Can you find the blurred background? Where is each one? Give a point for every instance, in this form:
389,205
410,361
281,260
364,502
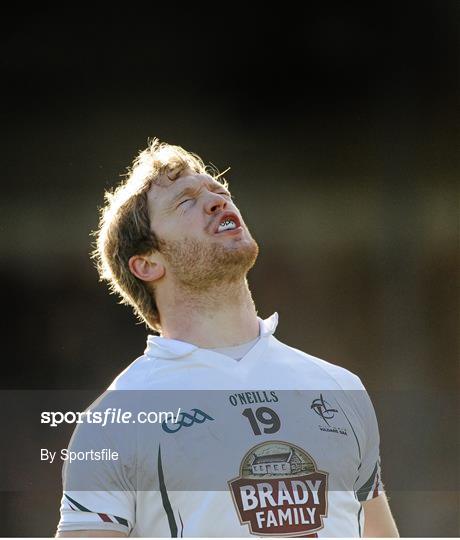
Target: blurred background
340,124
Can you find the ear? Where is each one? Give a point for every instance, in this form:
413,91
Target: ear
146,269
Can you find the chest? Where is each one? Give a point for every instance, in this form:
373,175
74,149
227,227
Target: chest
262,435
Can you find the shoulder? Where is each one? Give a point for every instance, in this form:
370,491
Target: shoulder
135,377
342,377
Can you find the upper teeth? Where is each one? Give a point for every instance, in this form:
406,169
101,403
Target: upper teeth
227,224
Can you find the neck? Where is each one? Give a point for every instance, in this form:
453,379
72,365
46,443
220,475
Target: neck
220,316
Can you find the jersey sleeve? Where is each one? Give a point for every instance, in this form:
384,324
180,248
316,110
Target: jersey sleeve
76,516
369,483
99,491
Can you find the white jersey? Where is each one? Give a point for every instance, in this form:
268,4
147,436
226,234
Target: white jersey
279,443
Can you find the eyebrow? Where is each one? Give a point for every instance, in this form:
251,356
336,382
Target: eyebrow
190,190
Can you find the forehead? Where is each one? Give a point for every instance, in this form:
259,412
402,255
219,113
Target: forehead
163,192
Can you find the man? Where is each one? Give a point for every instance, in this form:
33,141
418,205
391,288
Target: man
289,445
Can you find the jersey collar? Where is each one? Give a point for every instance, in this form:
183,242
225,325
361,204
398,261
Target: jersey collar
160,347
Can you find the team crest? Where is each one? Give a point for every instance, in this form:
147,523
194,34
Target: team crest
280,491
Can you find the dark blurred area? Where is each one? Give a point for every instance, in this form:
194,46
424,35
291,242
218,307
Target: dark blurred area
340,124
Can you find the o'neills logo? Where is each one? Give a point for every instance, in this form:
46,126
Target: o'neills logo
280,491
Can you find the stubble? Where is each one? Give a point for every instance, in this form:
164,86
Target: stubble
199,266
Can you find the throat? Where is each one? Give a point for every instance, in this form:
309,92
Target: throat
220,317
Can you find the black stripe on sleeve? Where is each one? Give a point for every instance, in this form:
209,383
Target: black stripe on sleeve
364,490
121,521
78,505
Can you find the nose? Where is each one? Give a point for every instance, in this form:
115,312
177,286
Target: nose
214,203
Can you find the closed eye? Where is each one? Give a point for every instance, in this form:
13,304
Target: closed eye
184,201
225,193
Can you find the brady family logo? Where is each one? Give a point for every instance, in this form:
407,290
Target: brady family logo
186,420
280,491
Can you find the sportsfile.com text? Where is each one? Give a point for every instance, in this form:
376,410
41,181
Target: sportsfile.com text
108,416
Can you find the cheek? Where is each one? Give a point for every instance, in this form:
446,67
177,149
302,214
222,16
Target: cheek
178,228
164,229
192,225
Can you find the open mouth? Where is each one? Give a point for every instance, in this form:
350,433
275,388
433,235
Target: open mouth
228,222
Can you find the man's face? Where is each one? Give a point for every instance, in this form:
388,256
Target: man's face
201,234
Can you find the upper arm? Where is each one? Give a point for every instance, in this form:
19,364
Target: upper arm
368,484
99,488
378,520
